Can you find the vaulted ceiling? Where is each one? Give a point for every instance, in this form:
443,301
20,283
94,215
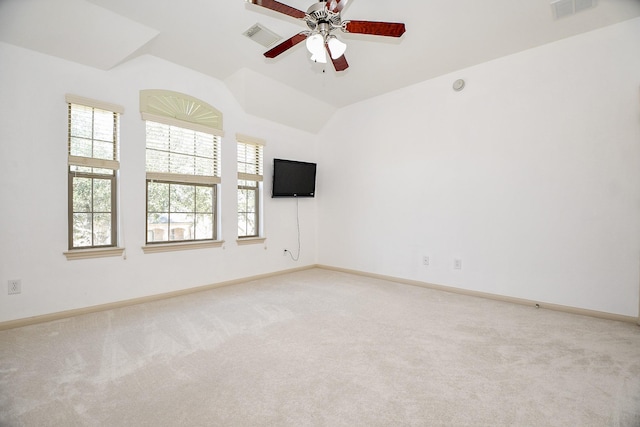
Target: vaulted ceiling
442,36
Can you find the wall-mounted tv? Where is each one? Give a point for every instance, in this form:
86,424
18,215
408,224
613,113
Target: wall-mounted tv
293,179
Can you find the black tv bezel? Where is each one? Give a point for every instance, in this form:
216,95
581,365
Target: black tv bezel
293,195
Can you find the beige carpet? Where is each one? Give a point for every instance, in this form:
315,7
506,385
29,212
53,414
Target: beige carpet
321,348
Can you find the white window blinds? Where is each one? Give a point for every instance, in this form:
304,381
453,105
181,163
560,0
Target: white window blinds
93,133
250,158
179,154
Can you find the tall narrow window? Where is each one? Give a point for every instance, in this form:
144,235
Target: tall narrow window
183,169
250,163
93,164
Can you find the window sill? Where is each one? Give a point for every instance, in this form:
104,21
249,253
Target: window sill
170,247
251,241
93,253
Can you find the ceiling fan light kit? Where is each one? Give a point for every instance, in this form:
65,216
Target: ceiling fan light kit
315,45
322,18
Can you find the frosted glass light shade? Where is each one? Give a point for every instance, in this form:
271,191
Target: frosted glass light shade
336,47
315,45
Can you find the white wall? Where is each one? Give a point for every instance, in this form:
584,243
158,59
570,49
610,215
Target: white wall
33,194
530,175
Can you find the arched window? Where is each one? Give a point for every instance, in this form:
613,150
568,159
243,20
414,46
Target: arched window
182,167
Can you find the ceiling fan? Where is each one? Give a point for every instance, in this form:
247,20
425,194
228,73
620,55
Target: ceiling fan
323,18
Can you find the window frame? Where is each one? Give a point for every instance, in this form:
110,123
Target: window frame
214,212
112,178
257,211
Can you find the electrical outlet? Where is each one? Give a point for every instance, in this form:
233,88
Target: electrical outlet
14,286
457,264
425,260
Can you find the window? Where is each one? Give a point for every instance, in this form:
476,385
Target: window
250,161
182,168
93,139
181,184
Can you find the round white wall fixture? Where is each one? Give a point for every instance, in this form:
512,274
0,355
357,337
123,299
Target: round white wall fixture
458,85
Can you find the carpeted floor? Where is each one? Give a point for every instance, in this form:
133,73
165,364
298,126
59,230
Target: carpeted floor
322,348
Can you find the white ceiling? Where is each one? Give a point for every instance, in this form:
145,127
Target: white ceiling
206,35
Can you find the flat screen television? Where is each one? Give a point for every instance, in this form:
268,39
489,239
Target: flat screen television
293,178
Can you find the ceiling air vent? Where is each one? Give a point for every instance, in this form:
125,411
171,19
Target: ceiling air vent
562,8
262,35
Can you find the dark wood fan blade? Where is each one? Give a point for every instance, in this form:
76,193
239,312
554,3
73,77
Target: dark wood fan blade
336,5
388,29
285,45
340,63
279,7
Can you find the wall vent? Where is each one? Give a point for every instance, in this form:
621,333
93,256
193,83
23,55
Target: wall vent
262,35
563,8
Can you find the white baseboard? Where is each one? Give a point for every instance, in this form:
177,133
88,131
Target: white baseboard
119,304
520,301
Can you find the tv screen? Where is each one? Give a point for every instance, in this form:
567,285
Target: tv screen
293,179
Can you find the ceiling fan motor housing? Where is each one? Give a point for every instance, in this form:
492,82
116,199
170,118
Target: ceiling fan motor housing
318,14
